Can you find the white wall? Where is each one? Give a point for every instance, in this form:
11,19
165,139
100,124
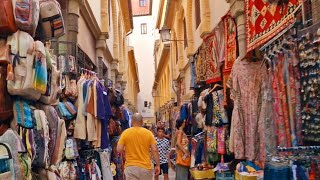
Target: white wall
143,45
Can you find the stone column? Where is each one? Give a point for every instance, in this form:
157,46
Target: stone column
237,8
73,14
114,71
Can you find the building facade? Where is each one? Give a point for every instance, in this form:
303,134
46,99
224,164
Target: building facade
97,36
142,39
188,21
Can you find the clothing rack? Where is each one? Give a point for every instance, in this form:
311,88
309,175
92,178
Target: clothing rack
88,71
299,148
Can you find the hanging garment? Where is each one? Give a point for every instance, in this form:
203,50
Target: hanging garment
105,166
80,126
246,86
209,109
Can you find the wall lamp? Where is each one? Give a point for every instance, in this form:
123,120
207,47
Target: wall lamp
165,34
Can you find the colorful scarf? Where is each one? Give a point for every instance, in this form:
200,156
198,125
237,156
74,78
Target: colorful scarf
40,74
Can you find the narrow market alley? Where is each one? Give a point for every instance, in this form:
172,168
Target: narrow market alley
160,89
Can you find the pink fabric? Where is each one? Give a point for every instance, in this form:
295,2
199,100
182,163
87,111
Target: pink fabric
246,128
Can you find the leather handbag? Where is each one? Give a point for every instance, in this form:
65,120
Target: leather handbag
6,110
7,21
183,160
4,52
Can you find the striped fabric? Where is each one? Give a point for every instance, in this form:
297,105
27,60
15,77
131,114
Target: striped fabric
40,76
23,14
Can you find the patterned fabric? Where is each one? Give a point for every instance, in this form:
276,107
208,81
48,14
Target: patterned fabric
246,87
22,113
286,100
40,74
219,113
265,20
212,139
230,36
200,66
213,47
11,138
163,148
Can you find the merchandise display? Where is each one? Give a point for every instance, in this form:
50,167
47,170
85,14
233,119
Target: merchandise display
60,118
273,95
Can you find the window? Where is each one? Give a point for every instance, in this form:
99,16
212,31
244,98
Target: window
185,33
143,28
145,103
142,3
197,13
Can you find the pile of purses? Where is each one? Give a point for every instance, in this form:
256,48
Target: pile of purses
43,134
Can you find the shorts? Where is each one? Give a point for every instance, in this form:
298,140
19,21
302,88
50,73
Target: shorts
164,168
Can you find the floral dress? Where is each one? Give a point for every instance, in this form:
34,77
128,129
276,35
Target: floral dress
247,126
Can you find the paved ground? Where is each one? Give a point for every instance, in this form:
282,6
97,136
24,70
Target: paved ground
172,175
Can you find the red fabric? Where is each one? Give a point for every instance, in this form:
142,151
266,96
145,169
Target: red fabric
230,33
265,20
213,47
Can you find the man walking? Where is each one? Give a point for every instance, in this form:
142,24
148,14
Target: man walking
164,149
136,142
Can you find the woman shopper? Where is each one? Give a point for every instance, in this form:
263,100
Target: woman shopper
183,155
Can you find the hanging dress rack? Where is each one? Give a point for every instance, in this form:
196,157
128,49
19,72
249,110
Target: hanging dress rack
88,71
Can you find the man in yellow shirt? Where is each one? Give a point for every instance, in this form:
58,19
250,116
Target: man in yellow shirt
137,142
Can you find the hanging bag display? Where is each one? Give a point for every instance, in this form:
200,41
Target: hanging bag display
40,68
41,136
25,165
23,113
27,15
6,162
7,21
71,88
71,151
52,24
51,97
5,98
22,56
4,52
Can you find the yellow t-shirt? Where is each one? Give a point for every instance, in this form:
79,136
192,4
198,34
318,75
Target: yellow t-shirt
137,142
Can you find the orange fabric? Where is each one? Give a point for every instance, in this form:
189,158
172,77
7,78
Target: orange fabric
90,106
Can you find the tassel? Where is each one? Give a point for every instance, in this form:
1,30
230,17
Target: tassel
10,72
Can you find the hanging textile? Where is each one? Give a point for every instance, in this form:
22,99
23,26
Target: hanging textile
264,20
230,36
213,55
200,66
247,129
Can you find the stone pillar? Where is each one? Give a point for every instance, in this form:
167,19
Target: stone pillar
73,14
114,71
238,13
